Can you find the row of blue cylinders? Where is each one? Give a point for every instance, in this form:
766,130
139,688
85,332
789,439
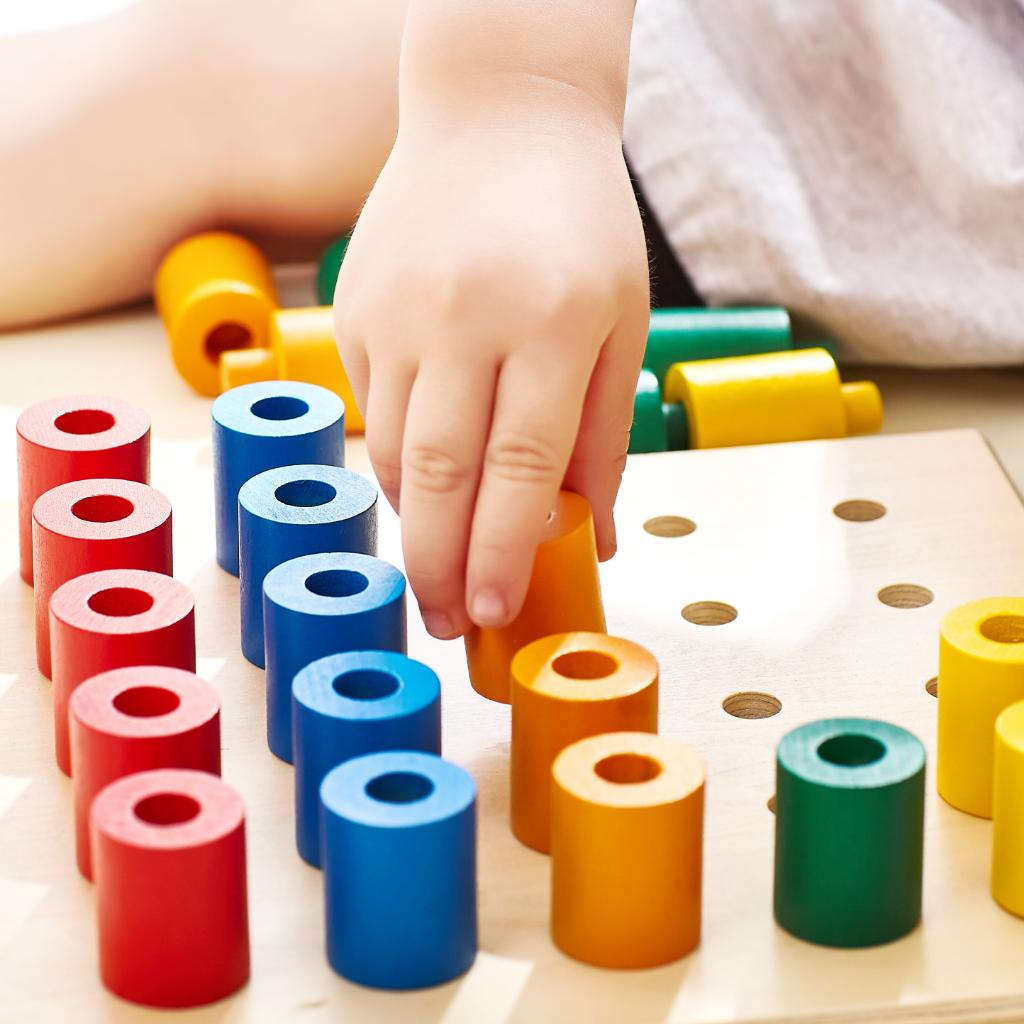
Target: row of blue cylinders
392,824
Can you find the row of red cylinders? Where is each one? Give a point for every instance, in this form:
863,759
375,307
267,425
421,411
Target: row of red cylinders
156,828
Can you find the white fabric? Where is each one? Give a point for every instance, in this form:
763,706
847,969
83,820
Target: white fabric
860,162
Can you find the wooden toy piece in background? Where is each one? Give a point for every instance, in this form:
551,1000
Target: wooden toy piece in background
301,346
400,869
564,596
627,826
328,268
564,688
779,396
171,900
214,292
87,525
685,335
75,437
138,719
263,426
657,426
1008,806
981,672
114,619
849,832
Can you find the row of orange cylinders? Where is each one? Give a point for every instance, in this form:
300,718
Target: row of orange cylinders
619,808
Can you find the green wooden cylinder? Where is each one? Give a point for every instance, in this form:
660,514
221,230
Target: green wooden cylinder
328,268
849,832
683,335
648,433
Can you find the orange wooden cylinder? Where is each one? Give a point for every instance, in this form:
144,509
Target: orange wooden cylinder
564,596
214,292
627,822
564,688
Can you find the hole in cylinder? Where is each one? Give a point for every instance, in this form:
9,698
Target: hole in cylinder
118,602
859,510
585,665
670,526
84,421
279,407
905,595
627,769
146,701
224,337
400,787
366,684
709,613
305,493
167,809
1004,629
851,750
932,686
751,704
102,508
337,583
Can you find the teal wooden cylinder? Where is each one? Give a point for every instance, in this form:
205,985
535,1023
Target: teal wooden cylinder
649,431
328,269
849,832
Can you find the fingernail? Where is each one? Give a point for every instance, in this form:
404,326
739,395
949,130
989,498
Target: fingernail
489,608
438,624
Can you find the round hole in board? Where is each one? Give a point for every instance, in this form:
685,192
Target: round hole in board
751,704
627,769
118,602
709,613
102,508
860,510
224,337
770,803
670,526
851,750
905,595
366,684
279,407
932,686
146,701
1003,629
585,665
400,787
84,421
337,583
305,493
167,809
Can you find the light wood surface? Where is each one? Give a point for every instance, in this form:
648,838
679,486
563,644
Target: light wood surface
810,631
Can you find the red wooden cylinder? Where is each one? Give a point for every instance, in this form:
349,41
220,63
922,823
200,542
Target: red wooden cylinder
133,720
113,619
87,525
168,853
74,438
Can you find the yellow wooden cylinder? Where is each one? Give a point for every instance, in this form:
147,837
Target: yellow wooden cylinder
981,672
627,822
1008,810
214,292
775,396
565,688
302,347
564,596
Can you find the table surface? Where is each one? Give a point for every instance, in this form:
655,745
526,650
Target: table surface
47,952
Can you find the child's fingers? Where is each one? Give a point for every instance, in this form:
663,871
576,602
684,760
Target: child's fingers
599,457
445,431
386,404
536,415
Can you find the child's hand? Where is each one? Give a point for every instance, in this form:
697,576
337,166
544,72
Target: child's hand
492,313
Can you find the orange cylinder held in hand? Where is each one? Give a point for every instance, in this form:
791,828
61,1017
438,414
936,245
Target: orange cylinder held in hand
214,292
627,823
564,688
564,596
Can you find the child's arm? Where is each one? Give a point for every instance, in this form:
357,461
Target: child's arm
494,301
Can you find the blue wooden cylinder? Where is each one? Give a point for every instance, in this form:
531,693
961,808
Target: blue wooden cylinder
257,427
292,511
400,869
319,605
347,705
